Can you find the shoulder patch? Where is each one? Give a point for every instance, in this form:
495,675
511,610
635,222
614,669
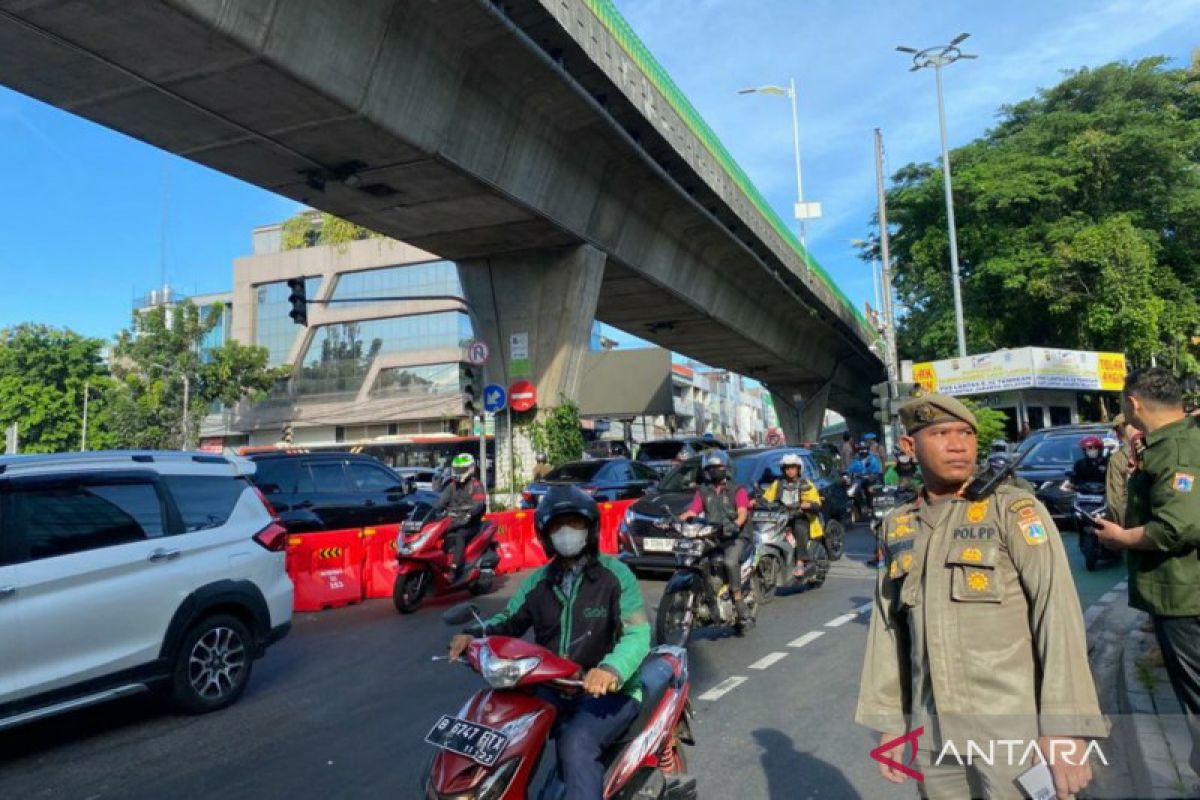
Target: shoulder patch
1033,529
1183,482
1020,504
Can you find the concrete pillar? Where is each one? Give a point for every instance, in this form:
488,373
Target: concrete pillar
550,297
801,420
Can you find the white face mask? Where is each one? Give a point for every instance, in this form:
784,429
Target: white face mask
1090,453
569,541
904,459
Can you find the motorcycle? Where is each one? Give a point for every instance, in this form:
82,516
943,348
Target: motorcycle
883,500
424,567
778,554
1089,503
697,593
860,489
492,748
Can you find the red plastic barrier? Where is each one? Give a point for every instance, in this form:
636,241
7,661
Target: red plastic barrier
611,515
379,562
326,569
515,530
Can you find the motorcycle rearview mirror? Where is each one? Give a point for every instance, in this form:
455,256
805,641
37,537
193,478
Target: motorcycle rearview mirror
461,614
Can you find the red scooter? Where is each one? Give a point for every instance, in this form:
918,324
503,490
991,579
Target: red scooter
492,748
425,567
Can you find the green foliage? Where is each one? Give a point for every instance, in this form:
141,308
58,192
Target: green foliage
558,434
1078,220
160,358
989,422
308,229
43,371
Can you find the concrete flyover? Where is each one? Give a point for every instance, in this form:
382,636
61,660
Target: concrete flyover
494,133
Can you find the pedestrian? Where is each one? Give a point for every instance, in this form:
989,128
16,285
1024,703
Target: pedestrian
1161,531
847,450
976,637
1116,483
542,468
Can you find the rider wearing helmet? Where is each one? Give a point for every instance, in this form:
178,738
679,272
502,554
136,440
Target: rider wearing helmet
542,468
1093,467
799,497
865,463
606,632
727,505
464,498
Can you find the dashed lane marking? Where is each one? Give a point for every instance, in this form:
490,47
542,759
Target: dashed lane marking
723,688
768,660
864,608
811,636
837,622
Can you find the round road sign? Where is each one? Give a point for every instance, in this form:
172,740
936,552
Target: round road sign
477,353
522,396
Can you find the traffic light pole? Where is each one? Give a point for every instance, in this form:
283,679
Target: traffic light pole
891,431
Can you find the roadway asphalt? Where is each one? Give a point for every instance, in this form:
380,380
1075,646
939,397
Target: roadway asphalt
340,708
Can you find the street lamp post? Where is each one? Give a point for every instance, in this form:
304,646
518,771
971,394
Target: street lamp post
803,211
938,57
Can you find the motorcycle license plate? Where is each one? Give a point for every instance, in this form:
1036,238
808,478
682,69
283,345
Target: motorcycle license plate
476,742
658,545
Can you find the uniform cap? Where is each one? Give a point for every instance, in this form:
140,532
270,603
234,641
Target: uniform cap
932,409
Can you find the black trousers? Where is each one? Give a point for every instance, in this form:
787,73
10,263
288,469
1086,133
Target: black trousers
800,527
1179,638
455,540
733,563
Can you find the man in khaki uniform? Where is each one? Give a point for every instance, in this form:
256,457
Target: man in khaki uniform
977,635
1116,483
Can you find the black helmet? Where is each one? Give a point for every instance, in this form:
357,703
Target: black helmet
567,500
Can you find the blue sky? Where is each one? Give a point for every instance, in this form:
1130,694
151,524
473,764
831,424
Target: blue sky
83,206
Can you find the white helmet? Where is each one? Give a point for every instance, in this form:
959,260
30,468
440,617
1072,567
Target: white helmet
791,460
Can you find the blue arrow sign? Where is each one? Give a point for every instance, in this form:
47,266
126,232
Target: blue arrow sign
494,398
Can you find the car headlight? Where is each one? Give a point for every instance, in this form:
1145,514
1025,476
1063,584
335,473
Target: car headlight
504,673
629,518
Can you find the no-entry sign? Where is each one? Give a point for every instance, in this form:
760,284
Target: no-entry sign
522,396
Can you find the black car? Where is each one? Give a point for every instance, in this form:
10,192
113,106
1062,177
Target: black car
665,454
646,546
1051,453
605,479
333,491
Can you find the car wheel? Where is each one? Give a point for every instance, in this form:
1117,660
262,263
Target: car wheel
212,665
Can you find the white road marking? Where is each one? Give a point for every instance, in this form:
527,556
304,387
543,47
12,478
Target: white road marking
842,620
723,688
768,660
811,636
863,609
1108,597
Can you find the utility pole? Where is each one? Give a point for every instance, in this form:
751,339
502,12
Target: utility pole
187,420
889,318
83,436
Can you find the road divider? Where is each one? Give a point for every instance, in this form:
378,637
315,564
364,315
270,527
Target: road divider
326,569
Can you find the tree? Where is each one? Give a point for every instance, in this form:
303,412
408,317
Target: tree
162,357
311,228
43,372
558,433
1078,221
989,424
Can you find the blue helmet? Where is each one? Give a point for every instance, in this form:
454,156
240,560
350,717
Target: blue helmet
716,465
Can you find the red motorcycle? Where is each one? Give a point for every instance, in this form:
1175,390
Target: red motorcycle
492,749
425,567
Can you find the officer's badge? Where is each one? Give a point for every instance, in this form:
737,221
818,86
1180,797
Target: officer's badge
977,582
977,511
894,570
906,561
900,531
973,554
1183,481
1033,530
924,413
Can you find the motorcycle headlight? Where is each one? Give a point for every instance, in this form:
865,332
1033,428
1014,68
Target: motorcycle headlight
504,673
416,544
497,783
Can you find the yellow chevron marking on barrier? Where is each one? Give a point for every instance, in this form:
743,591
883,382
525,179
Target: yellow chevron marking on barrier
329,552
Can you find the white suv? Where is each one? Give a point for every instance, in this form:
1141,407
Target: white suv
125,571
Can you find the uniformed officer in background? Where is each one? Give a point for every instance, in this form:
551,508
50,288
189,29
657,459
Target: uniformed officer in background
1161,531
977,635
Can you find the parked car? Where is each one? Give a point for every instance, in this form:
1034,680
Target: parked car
420,477
663,455
1051,454
646,546
333,491
128,571
603,478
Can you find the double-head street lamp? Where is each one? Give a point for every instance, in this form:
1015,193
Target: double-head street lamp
938,57
804,211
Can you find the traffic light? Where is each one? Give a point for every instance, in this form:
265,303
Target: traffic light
299,301
472,403
882,402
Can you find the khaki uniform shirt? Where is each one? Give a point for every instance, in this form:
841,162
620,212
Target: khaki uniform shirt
977,631
1116,483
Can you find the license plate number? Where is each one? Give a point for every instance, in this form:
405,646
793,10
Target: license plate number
658,545
476,742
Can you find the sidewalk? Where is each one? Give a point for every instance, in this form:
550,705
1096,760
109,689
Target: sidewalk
1149,742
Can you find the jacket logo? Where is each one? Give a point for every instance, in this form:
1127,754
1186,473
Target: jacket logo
595,612
977,511
986,532
977,582
1033,530
973,554
1183,481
